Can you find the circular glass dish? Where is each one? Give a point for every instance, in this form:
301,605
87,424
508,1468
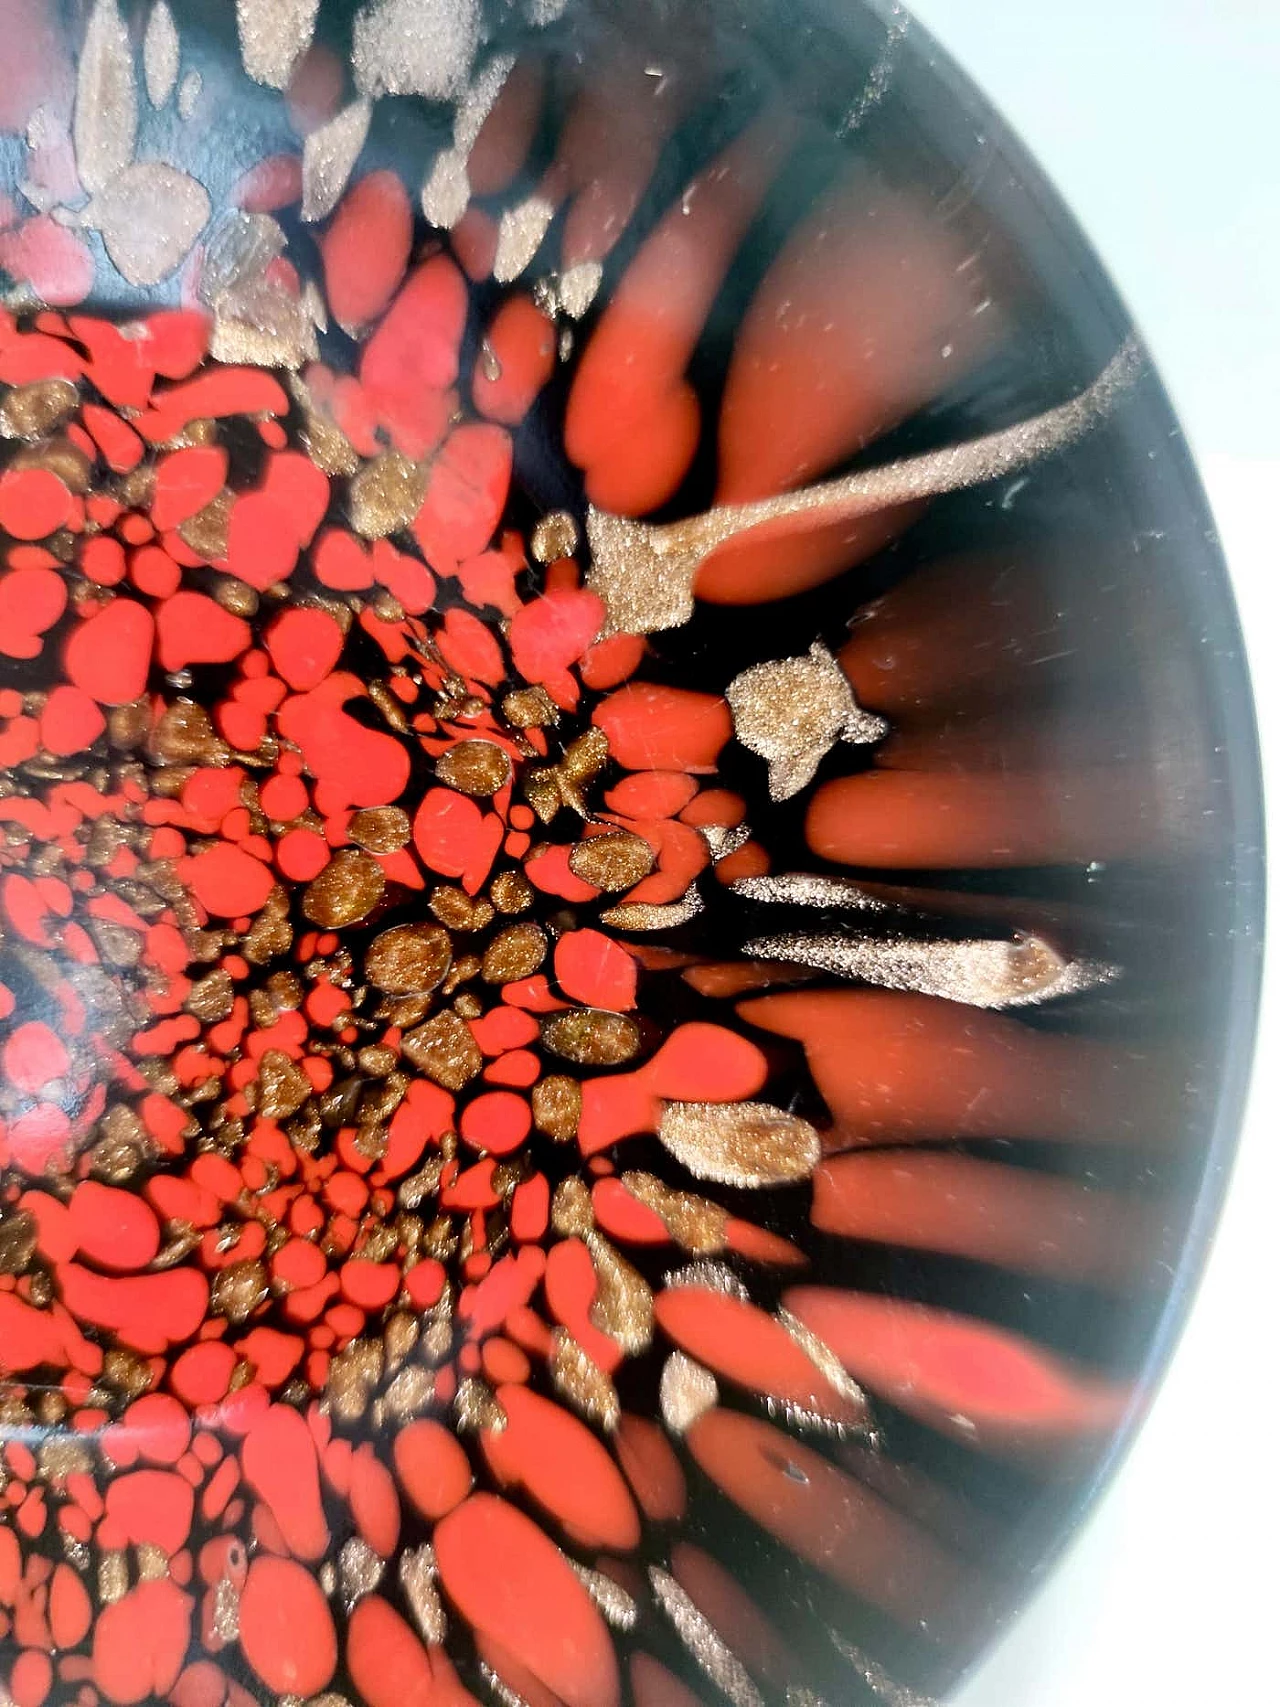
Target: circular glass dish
630,890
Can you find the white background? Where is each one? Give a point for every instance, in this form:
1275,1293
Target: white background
1159,121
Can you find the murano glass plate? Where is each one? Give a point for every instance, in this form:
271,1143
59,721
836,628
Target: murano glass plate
629,857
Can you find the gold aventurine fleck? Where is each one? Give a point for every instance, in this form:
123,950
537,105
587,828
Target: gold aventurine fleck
557,1107
475,767
189,92
981,974
106,112
645,571
415,47
748,1144
515,953
31,411
161,51
328,156
274,34
591,1037
149,215
554,536
444,1050
520,234
380,829
700,1637
612,862
685,1392
583,1383
385,496
409,959
791,712
650,916
346,891
695,1223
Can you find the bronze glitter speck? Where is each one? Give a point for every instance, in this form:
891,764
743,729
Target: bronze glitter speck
212,997
415,47
511,892
410,1392
458,910
712,1277
238,1290
877,1679
619,1609
571,1212
359,1571
520,233
260,323
530,708
62,1456
476,1408
113,1576
825,1361
282,1087
225,1609
19,1236
323,440
236,596
447,189
577,287
206,531
189,92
